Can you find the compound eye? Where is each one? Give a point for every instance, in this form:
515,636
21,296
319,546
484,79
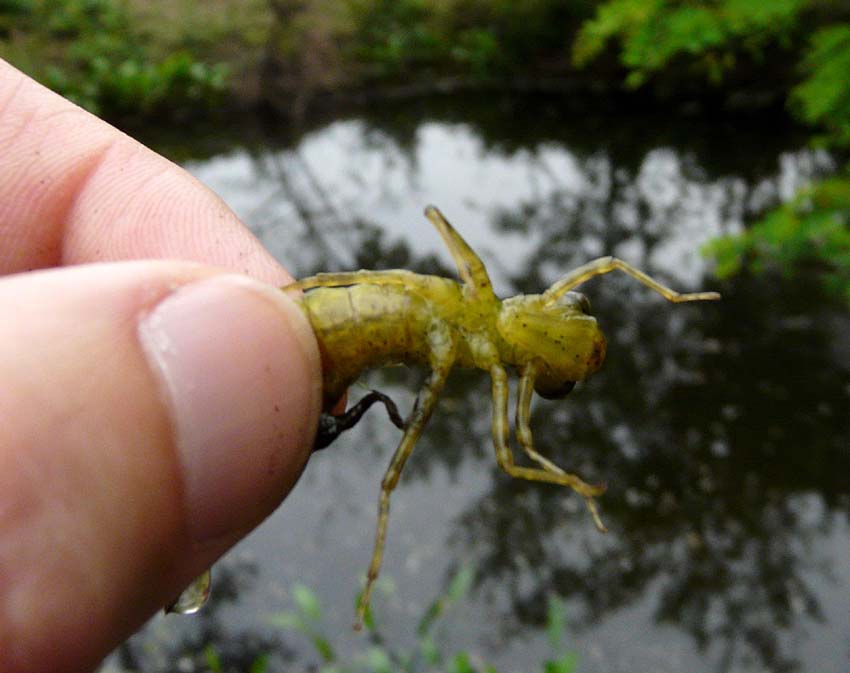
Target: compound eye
556,393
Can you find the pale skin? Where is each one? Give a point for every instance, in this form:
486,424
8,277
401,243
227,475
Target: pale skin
365,319
113,495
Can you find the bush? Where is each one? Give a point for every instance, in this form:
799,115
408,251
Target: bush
708,36
812,230
426,654
92,56
823,98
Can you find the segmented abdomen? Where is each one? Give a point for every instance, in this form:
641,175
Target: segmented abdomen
364,326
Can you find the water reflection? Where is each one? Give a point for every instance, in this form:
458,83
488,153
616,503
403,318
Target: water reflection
721,429
727,464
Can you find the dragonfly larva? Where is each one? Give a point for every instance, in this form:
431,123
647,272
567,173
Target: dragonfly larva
368,319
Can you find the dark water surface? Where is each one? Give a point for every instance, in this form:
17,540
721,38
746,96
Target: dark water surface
721,429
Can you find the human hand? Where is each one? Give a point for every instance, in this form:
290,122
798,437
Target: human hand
151,412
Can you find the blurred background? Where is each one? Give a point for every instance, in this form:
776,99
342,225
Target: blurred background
704,142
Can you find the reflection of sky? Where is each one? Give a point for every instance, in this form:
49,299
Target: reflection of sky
343,174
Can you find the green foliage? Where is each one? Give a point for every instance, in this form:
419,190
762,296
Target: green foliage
14,8
394,36
823,98
478,49
307,602
458,588
260,664
566,664
306,620
213,660
215,665
131,86
11,12
708,35
654,35
811,230
556,622
426,655
473,38
92,56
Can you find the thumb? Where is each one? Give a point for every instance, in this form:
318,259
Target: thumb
151,413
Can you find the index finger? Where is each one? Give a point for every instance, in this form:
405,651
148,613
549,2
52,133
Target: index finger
74,189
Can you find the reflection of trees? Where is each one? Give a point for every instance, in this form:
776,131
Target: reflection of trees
697,421
657,214
710,435
623,128
720,428
632,187
315,220
324,239
718,462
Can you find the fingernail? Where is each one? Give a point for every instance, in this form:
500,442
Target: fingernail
239,368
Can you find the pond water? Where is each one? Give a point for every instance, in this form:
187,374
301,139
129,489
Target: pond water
721,429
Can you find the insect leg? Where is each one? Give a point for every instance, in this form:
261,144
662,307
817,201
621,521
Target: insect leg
505,458
604,265
331,427
443,349
523,429
524,437
470,268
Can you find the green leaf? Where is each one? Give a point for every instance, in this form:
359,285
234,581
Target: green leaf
368,617
460,584
703,36
460,664
287,620
458,587
429,651
378,660
566,664
260,664
323,647
212,659
307,602
434,610
813,227
556,620
823,98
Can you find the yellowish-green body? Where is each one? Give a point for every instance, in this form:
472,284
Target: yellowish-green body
364,326
370,324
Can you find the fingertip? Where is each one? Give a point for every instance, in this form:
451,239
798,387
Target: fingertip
239,368
153,413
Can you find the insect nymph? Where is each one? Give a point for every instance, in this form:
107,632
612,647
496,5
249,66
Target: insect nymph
368,319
